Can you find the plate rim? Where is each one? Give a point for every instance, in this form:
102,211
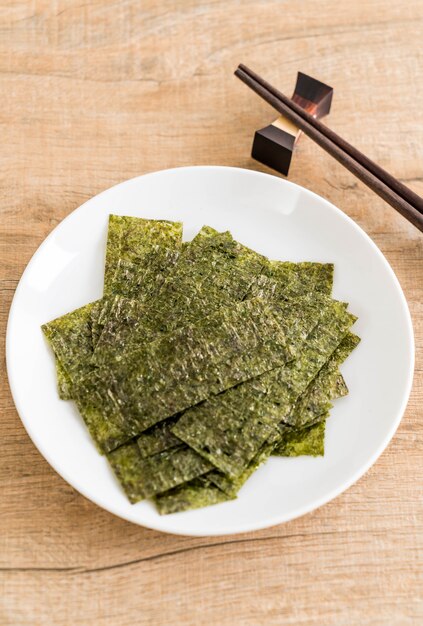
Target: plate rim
247,527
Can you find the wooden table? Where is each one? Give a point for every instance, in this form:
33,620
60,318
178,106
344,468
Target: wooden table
97,92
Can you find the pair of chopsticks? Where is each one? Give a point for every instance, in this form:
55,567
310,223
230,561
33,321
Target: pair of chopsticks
395,193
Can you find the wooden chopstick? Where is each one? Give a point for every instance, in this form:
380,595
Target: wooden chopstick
373,167
375,178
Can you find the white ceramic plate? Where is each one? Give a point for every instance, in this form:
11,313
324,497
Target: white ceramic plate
279,219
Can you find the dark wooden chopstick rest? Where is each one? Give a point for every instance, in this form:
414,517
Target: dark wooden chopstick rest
273,145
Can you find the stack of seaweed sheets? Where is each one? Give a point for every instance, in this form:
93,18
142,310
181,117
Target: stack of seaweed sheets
200,361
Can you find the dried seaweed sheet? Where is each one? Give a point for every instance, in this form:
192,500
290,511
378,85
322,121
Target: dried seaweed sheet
71,340
195,494
299,317
138,254
284,280
231,486
317,276
97,321
279,278
158,438
113,248
314,405
230,429
316,400
309,441
72,336
171,468
341,388
64,383
213,271
145,477
306,442
154,367
129,325
181,369
161,437
292,313
124,461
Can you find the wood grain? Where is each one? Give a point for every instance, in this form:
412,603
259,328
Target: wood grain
98,91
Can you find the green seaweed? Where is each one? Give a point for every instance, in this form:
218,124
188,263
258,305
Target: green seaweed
97,321
71,340
195,494
293,313
285,280
230,485
278,279
181,369
208,354
313,406
228,430
145,477
213,271
309,441
123,320
113,248
317,398
316,276
74,335
64,383
125,462
158,438
341,388
139,253
306,440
